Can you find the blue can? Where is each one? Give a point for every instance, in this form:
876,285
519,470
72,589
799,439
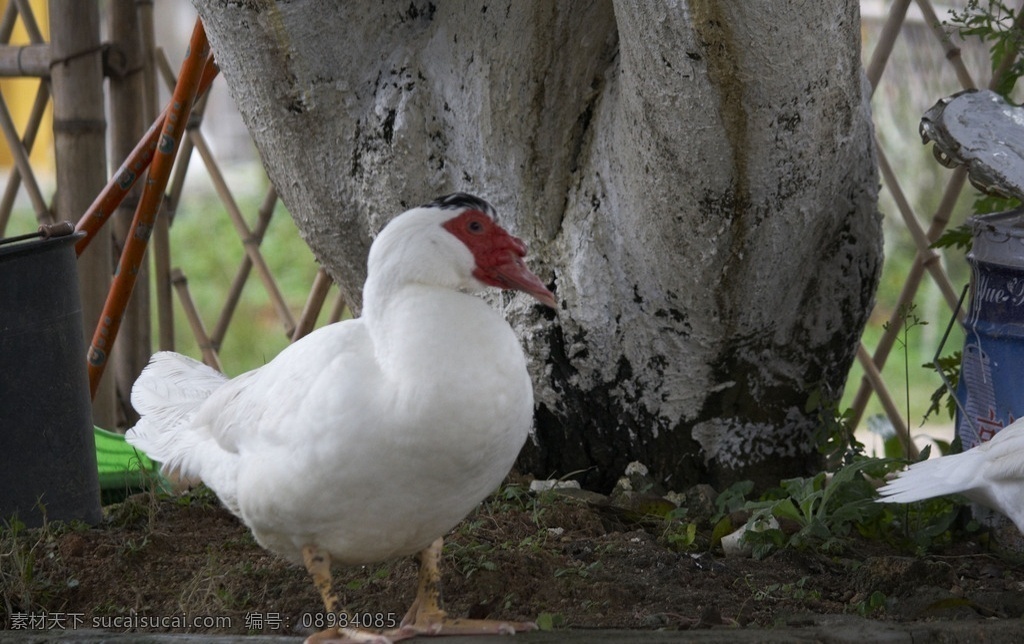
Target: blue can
991,388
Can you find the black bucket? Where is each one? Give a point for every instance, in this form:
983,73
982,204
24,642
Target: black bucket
47,450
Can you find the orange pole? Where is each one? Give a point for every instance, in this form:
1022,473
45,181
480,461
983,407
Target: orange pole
132,168
173,128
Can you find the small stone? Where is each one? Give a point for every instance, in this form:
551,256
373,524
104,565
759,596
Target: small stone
553,484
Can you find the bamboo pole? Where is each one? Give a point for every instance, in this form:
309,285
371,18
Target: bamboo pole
28,21
263,216
210,356
314,304
148,36
35,35
6,206
338,310
25,60
886,41
20,155
79,123
926,259
7,22
28,140
128,125
953,189
177,184
164,295
178,110
929,256
249,241
126,176
952,51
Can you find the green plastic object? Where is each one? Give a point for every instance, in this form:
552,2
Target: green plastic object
121,466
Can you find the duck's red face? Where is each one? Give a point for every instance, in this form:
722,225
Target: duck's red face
498,255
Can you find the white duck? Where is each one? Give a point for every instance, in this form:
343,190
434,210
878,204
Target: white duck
371,438
991,474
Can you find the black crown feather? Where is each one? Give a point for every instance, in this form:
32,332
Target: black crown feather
458,200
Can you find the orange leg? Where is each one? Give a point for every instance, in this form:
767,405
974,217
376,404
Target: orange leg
425,616
318,563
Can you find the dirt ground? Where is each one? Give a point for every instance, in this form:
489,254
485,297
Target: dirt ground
185,565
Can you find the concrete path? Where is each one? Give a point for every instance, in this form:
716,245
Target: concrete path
828,629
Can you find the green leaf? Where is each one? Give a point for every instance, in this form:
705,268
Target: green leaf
723,528
785,509
960,238
732,498
550,621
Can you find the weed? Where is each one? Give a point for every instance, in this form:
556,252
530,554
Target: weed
732,498
550,621
925,525
591,604
681,536
796,591
134,511
368,576
23,586
908,320
871,604
133,547
510,601
198,497
579,569
996,25
512,496
835,436
468,558
949,366
216,589
824,509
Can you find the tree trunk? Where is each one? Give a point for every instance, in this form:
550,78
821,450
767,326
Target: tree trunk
696,182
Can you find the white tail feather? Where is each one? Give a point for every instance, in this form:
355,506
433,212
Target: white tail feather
928,479
167,396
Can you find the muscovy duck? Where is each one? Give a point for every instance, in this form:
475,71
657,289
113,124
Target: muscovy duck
370,438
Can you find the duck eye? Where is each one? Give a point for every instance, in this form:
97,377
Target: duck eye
476,227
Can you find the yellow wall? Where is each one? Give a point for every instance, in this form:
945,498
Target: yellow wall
20,95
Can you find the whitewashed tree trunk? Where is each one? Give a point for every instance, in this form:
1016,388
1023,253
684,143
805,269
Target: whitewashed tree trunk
696,180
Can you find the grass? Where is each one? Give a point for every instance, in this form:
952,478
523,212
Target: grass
23,588
35,564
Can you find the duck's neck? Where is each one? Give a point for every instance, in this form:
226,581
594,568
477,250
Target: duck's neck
416,328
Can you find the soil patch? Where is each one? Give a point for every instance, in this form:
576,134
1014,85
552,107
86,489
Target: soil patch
185,565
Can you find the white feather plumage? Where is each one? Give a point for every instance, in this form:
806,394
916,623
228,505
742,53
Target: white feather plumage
991,474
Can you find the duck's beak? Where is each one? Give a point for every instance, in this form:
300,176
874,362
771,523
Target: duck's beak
513,274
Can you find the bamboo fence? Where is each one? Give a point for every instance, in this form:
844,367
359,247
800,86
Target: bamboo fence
124,214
